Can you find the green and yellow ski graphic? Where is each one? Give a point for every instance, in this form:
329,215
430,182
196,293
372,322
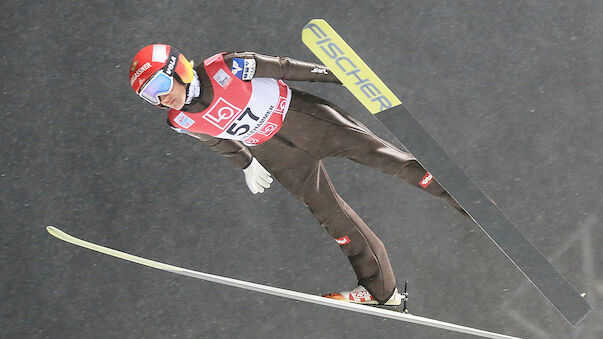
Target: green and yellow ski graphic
335,53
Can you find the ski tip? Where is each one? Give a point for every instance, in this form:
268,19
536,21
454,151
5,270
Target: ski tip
311,25
316,21
53,230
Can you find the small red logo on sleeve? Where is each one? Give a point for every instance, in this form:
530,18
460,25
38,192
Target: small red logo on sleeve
343,241
427,179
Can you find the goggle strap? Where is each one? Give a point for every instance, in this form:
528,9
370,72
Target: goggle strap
171,62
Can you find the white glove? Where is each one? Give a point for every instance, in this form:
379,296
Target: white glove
257,177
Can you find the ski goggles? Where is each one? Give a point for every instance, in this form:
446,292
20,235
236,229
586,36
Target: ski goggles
158,85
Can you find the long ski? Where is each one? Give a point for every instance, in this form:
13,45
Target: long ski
279,292
349,68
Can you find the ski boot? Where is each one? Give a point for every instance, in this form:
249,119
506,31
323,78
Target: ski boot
360,295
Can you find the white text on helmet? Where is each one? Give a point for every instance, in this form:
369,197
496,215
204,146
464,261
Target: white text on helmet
139,72
170,67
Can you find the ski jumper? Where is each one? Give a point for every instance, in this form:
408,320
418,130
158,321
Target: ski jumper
313,129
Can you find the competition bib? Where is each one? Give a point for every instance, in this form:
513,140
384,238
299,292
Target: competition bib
248,111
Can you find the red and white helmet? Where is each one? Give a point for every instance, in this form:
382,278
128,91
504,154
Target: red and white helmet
154,58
